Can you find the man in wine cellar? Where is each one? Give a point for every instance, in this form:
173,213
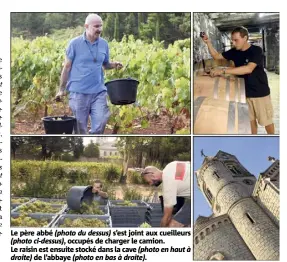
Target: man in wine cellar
175,179
83,77
248,60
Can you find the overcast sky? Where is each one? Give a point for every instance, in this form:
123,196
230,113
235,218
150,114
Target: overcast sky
86,140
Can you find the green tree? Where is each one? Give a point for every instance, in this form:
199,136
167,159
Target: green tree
16,142
92,150
77,146
46,147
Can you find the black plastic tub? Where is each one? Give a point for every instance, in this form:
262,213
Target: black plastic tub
79,194
122,91
59,124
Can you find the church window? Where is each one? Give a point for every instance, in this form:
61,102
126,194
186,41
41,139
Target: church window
250,218
248,182
208,231
207,193
216,175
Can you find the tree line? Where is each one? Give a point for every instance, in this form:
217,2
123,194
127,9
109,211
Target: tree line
136,150
166,27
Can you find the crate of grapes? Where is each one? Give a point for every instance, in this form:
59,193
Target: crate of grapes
128,213
90,209
38,206
74,220
127,217
19,201
32,220
128,203
54,201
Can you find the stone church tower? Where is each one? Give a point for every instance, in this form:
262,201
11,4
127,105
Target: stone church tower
245,220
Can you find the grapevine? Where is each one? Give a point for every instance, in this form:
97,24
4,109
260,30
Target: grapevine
163,75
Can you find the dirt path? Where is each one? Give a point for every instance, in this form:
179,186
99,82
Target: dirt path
157,125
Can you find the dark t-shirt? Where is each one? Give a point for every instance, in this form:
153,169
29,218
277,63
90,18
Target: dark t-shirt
256,83
100,199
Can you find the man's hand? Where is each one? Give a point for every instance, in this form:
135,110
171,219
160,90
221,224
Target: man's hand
60,94
117,65
216,72
204,37
167,216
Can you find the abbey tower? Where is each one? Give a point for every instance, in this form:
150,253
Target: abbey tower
245,220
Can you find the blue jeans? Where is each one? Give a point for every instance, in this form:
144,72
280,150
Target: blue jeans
93,105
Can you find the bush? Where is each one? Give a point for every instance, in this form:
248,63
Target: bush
41,184
59,172
78,177
53,178
135,177
24,169
132,194
68,157
183,156
112,173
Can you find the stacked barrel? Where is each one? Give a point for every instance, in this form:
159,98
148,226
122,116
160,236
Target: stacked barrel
219,102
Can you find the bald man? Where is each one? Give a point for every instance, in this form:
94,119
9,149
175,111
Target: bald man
83,77
175,179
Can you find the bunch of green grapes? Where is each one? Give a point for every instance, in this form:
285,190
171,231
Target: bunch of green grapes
83,222
19,200
145,225
88,209
58,202
57,119
39,206
127,203
26,221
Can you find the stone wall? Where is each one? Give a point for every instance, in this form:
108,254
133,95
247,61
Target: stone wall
272,47
258,231
202,23
267,196
219,238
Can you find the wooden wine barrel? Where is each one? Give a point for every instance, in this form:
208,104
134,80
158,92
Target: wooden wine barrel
228,88
212,116
212,63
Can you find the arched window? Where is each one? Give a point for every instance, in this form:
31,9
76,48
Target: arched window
207,193
208,231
